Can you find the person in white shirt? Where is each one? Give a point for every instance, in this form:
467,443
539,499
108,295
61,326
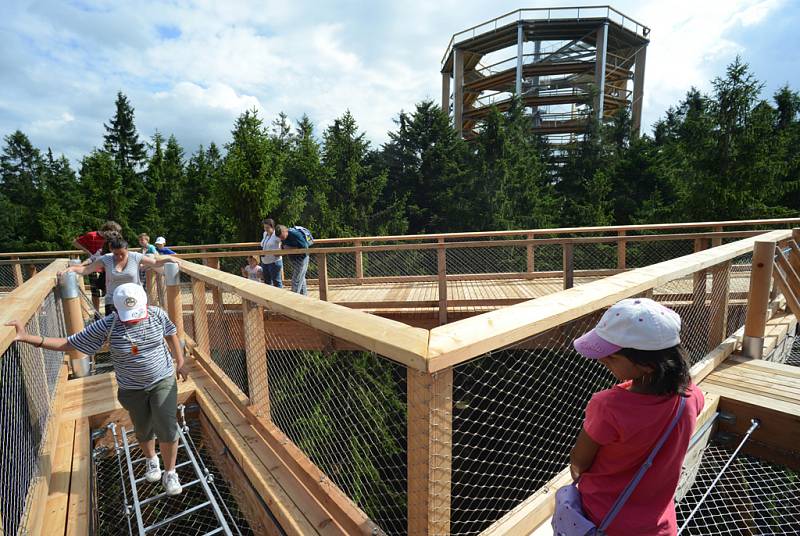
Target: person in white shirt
271,265
252,271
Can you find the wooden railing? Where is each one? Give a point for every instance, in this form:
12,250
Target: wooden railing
431,357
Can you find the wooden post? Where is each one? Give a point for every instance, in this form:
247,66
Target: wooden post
441,267
720,296
322,275
17,269
699,278
430,446
359,262
172,272
255,347
622,251
529,252
568,266
716,241
219,306
31,269
73,318
151,287
200,315
758,299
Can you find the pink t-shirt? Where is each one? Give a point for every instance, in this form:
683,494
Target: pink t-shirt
627,425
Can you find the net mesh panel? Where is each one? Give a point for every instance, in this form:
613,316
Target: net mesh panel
404,262
346,410
516,413
8,280
752,497
227,337
487,260
28,377
794,354
639,254
109,507
594,256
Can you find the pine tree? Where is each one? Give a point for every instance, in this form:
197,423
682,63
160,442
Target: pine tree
252,184
62,216
103,190
21,174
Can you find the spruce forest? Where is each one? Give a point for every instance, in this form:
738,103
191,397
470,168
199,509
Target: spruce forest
733,153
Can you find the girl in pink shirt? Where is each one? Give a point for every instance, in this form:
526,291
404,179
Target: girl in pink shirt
638,340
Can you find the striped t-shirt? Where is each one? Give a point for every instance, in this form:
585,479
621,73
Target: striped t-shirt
152,362
115,278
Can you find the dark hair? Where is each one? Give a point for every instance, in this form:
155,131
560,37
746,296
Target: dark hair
280,229
111,226
268,221
670,374
118,243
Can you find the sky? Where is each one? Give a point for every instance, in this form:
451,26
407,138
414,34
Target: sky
190,67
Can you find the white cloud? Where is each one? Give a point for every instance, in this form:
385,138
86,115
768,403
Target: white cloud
299,57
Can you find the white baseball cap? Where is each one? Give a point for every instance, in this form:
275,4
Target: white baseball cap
130,300
638,323
160,240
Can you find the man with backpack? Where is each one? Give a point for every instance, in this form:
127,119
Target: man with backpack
297,238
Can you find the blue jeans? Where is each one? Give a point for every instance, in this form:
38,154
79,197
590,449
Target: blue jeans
299,269
272,274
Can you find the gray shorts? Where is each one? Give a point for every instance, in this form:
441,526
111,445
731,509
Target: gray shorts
153,410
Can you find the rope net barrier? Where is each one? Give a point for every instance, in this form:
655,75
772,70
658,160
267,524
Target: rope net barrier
515,411
752,497
28,377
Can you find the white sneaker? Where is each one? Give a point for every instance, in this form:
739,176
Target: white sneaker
153,472
171,483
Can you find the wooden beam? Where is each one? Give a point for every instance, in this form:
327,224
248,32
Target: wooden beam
78,509
568,266
357,244
250,503
758,301
441,271
397,341
200,315
430,444
21,303
529,254
720,297
458,341
17,269
322,275
55,516
622,252
256,357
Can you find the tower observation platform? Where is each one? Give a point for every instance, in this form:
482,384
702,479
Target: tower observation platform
565,64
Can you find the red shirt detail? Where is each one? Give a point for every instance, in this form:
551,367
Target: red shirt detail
91,241
627,425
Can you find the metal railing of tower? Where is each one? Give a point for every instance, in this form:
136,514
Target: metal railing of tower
549,14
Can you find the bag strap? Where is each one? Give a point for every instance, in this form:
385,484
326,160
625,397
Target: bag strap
111,330
626,493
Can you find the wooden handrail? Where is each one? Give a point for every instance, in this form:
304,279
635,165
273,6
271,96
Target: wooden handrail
477,244
389,338
465,339
788,222
21,303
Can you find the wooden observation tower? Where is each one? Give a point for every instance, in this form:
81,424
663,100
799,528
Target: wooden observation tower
564,63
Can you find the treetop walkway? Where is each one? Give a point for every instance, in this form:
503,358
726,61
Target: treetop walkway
451,412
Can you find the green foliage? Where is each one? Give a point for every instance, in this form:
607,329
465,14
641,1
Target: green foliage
727,154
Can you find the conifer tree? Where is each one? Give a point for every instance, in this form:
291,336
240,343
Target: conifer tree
21,171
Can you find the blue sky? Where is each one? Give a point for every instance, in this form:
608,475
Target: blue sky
190,67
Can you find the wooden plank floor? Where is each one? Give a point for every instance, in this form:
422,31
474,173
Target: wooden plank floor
767,391
463,296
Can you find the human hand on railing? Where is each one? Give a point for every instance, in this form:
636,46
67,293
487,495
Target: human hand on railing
21,335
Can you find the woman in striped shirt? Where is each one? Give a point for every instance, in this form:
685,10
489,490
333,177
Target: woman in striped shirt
142,341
